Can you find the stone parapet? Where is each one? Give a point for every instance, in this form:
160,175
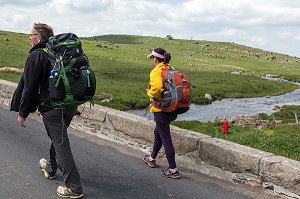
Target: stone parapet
281,171
231,156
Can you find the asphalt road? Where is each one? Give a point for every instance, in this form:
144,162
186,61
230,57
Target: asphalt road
108,171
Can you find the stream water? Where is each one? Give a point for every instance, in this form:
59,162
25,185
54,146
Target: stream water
230,108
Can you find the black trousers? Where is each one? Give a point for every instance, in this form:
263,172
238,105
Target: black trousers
162,136
56,122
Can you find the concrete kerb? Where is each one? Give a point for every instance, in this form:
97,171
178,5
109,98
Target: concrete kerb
242,162
231,156
186,142
134,126
281,171
142,128
6,91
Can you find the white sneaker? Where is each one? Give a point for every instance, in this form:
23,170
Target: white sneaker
42,164
65,192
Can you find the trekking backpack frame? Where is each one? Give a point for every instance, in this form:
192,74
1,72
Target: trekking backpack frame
72,82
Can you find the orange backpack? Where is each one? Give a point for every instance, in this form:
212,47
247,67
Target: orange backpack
176,95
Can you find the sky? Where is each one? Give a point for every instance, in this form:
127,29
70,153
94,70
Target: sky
271,25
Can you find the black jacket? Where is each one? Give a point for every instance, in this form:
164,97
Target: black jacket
32,90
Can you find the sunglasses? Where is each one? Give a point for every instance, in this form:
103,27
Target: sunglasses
32,35
151,57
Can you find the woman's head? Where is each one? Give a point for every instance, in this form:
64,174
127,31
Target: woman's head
161,55
40,32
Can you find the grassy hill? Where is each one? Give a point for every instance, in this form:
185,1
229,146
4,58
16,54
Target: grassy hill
222,69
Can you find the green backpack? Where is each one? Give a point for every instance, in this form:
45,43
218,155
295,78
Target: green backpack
72,81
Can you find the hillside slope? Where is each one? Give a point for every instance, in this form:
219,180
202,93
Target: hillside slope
222,69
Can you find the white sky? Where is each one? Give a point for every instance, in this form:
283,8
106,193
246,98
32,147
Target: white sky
272,25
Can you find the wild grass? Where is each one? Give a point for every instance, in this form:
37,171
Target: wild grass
122,68
222,69
287,114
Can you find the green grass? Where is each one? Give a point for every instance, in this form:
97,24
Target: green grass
14,49
287,114
122,70
11,76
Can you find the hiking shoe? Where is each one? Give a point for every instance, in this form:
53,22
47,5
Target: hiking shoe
152,163
65,192
43,164
167,173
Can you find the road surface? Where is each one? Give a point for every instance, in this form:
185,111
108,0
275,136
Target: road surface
108,170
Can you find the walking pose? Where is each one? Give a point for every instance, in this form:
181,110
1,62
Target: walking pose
162,137
32,93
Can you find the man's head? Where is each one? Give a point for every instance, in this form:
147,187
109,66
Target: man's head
40,32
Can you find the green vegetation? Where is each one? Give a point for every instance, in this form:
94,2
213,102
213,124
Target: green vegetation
288,114
222,69
122,67
14,49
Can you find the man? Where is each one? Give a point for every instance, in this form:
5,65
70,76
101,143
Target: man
32,93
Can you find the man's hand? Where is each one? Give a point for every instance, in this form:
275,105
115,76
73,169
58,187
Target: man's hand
21,121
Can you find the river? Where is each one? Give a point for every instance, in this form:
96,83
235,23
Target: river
231,108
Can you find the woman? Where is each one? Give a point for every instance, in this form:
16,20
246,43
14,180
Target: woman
162,135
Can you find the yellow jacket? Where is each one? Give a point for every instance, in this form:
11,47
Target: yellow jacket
156,85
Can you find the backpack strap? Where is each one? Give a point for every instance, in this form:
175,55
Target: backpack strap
157,103
42,49
45,50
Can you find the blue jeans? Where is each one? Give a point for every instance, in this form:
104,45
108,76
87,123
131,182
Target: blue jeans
162,136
